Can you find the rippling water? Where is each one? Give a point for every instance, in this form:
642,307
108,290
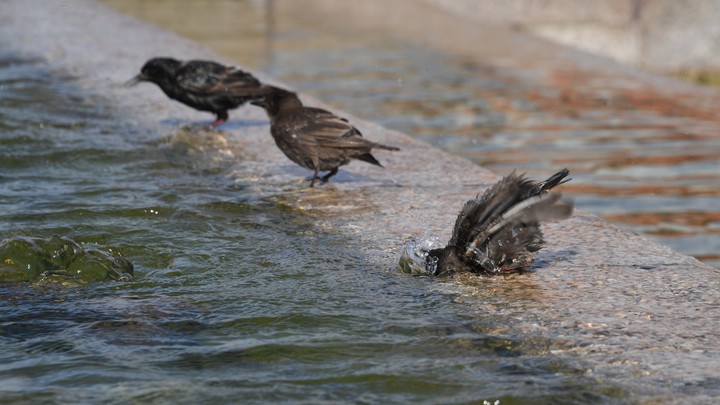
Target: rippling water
636,160
236,297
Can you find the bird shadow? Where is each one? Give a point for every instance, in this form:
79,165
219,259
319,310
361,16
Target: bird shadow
343,177
305,175
547,258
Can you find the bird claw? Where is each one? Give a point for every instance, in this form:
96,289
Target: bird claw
215,124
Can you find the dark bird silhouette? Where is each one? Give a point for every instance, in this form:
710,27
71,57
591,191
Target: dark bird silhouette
312,137
202,85
500,231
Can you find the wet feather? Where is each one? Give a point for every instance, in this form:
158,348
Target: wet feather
500,231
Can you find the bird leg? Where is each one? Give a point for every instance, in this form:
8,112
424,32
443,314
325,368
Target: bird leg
221,118
523,261
216,123
315,176
326,177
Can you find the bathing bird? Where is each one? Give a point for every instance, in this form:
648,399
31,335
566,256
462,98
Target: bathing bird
312,137
202,85
499,232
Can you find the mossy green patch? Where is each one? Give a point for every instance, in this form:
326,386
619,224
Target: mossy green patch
59,259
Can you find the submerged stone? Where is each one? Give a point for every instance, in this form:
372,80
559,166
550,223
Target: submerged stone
59,260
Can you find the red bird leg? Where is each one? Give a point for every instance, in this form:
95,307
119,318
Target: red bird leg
216,123
221,118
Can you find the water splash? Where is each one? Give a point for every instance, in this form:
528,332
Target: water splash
414,259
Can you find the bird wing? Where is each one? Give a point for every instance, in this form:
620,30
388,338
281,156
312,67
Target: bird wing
480,212
213,78
513,200
323,128
499,230
237,82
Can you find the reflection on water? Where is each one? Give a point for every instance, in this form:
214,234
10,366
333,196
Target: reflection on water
633,154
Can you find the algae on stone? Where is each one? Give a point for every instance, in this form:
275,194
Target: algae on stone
59,260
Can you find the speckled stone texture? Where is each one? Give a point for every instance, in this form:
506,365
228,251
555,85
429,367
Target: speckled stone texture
616,304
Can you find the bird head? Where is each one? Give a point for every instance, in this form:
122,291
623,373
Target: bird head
156,70
274,100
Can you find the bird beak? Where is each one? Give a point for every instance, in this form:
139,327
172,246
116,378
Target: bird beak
135,80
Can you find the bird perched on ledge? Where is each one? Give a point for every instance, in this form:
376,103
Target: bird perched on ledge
498,232
312,137
202,85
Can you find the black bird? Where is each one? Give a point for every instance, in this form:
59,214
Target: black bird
312,137
498,232
200,84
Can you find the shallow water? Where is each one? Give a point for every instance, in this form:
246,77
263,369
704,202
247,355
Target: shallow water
633,162
236,296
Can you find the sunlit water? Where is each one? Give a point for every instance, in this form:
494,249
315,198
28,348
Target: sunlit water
633,162
236,297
